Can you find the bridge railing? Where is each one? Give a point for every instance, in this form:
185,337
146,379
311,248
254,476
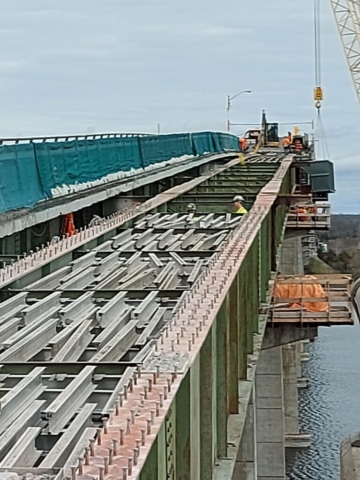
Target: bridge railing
66,138
41,168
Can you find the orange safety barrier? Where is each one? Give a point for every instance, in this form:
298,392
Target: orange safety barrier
302,291
68,225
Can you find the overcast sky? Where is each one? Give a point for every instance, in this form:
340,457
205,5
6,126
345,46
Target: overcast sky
126,65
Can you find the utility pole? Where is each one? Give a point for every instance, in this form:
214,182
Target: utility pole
229,99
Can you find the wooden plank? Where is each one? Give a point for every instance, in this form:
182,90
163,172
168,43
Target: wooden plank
325,321
336,276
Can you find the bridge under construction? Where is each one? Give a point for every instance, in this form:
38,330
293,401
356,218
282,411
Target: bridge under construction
155,344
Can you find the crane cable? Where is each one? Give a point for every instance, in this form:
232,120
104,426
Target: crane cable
317,52
318,93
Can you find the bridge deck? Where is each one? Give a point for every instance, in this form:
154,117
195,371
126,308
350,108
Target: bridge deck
166,320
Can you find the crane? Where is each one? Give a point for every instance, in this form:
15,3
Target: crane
347,16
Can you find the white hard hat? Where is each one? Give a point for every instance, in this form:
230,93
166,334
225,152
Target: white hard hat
238,198
191,206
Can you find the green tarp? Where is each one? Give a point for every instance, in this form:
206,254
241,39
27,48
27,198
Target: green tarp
30,172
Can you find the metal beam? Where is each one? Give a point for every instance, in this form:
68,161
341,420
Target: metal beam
77,343
110,311
117,324
23,453
26,391
114,350
60,411
79,307
32,344
63,448
12,307
31,327
29,418
40,308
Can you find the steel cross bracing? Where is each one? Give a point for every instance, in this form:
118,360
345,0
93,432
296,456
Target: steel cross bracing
90,329
347,20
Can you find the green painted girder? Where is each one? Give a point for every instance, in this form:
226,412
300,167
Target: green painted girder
229,185
228,190
238,171
224,195
240,175
209,392
227,182
241,178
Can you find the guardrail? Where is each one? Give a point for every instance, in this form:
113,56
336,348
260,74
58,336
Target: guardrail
39,168
66,138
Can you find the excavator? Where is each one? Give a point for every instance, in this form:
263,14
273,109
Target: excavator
268,136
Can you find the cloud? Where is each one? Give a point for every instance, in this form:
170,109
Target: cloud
70,66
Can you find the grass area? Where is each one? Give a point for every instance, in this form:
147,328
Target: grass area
318,267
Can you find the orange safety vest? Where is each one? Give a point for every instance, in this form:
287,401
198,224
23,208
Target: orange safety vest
302,210
243,144
286,142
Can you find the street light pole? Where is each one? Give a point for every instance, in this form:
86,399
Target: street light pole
229,99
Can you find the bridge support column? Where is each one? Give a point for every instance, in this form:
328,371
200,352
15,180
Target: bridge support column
270,447
246,466
301,381
293,437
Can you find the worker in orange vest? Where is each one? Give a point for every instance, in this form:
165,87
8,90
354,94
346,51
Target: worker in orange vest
290,137
301,210
243,144
286,144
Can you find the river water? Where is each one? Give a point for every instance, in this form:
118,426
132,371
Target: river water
330,406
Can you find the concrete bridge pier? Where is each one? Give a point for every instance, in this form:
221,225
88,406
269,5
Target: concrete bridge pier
272,416
269,406
294,438
246,463
300,351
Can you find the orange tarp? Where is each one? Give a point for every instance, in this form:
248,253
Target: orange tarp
298,291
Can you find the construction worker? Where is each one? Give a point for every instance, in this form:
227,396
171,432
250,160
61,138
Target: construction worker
286,144
238,204
191,211
290,137
243,144
300,211
191,208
